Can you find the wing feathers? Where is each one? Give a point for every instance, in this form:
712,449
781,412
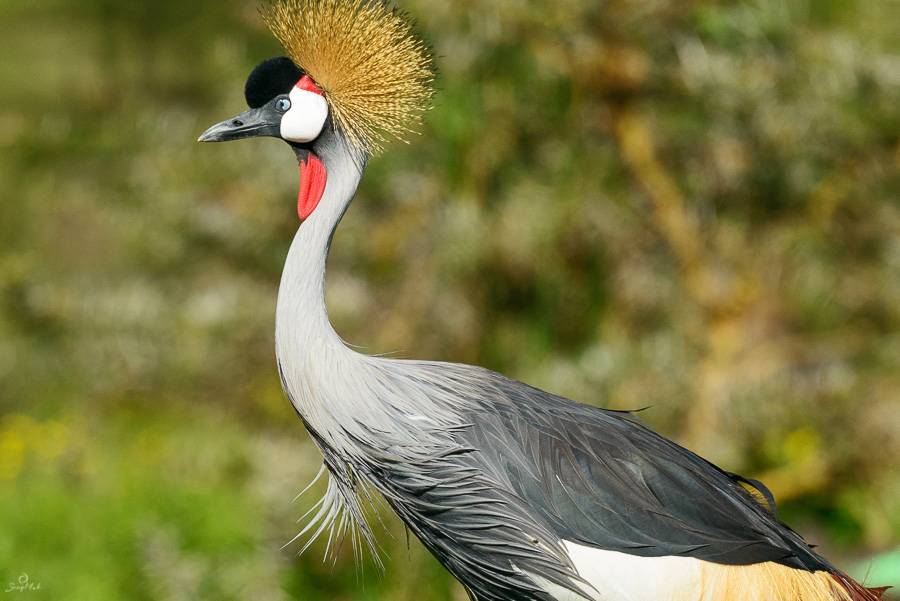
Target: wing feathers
604,479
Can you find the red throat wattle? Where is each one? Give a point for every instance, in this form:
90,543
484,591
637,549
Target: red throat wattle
312,185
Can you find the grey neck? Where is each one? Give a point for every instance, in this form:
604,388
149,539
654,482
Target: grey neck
301,318
351,402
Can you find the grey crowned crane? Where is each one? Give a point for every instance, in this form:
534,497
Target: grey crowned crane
520,494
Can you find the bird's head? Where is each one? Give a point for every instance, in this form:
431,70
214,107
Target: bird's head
354,69
284,103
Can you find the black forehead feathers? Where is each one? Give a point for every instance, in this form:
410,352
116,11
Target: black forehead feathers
271,78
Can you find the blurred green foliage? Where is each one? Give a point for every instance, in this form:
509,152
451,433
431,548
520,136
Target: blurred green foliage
693,206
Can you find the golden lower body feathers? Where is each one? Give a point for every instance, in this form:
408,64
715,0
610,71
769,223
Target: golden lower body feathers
615,576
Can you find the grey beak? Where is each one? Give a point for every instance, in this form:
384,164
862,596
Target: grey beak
262,121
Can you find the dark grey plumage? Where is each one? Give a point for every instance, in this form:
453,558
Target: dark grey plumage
530,469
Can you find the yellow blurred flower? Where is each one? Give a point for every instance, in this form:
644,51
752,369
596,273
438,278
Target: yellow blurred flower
12,453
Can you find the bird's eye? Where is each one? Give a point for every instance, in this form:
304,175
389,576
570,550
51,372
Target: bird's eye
283,105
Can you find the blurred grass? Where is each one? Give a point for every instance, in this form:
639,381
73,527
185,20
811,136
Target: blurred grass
688,205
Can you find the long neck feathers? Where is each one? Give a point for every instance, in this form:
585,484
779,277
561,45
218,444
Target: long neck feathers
352,403
302,329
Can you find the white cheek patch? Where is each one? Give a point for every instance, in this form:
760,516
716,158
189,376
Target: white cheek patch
306,117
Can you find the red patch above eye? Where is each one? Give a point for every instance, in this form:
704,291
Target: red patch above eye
308,85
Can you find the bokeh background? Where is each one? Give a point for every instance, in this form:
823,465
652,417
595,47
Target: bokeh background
692,206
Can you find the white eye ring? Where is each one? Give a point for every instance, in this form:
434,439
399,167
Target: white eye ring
283,105
304,120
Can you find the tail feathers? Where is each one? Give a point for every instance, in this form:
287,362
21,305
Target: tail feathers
856,591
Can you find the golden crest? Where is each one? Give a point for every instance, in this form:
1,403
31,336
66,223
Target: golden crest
376,73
